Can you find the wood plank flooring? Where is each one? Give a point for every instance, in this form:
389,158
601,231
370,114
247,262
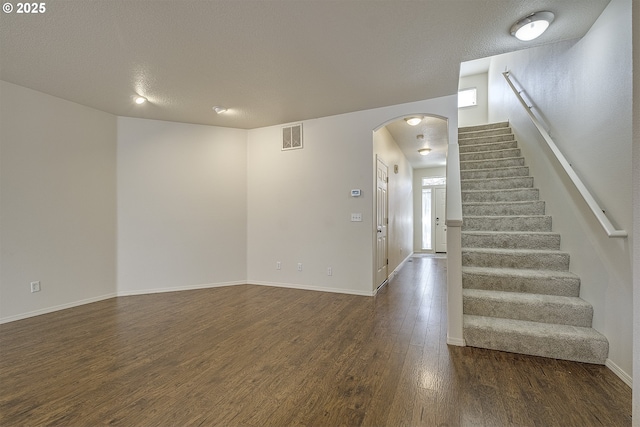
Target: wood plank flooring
260,356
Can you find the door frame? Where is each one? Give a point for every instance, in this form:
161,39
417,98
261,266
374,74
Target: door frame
376,283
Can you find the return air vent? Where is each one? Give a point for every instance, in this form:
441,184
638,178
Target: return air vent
292,137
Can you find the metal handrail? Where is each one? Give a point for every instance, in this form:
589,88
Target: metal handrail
582,189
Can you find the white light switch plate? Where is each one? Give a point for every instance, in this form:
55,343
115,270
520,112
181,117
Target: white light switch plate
356,217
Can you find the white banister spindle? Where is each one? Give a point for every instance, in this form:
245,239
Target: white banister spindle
582,189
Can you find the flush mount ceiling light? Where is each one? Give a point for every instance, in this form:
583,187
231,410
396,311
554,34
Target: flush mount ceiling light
219,110
413,121
424,151
532,26
140,100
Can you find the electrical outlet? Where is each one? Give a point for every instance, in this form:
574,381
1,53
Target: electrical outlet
278,265
35,287
329,271
299,266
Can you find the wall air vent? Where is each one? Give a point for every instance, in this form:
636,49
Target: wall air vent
292,137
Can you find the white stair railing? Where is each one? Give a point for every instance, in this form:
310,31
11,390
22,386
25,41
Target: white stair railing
582,189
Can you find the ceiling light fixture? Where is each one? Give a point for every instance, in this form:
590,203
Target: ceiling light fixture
219,110
532,26
413,121
140,100
424,151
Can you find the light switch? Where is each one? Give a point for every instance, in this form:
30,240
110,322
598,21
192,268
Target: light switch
356,217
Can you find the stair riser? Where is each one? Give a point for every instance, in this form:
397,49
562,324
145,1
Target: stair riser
562,314
506,208
468,140
568,287
490,155
495,173
536,261
484,133
557,347
488,147
492,164
508,195
497,183
487,126
515,223
512,241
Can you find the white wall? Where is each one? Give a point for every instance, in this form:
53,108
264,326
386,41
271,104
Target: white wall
418,174
583,91
300,204
636,213
477,114
399,191
57,207
182,206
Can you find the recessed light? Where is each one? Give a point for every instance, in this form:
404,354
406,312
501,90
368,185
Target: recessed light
140,100
532,26
219,110
413,121
424,151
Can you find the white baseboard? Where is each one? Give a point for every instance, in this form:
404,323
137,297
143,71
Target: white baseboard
456,341
311,288
628,380
55,308
178,288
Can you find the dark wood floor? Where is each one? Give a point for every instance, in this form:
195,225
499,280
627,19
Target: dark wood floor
259,356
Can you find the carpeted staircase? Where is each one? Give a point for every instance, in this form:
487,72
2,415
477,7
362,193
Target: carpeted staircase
518,295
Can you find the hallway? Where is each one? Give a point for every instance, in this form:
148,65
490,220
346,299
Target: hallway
257,356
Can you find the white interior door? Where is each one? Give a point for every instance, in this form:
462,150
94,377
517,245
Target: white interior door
382,221
441,227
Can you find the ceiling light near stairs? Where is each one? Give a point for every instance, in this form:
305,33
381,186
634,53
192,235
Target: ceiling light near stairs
424,151
413,121
532,26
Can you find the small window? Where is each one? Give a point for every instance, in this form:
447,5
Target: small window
467,98
436,180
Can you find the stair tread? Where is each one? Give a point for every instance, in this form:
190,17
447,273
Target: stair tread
500,178
523,297
499,251
492,160
485,144
504,168
567,342
505,216
510,202
510,233
529,328
498,190
517,272
485,133
490,151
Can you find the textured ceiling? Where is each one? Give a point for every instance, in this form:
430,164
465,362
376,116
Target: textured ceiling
434,134
269,61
